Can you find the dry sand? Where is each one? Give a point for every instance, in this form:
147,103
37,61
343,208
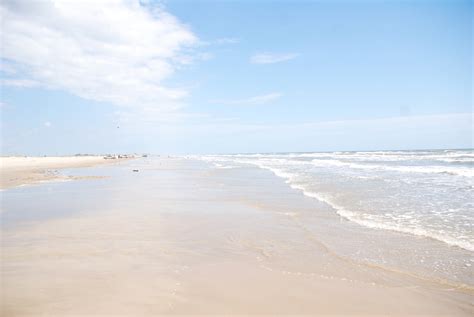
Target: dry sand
15,171
179,238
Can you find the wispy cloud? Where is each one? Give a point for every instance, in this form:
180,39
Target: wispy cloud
113,51
227,40
395,133
255,100
272,58
222,41
22,83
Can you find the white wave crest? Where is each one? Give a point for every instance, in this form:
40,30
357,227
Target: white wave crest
460,171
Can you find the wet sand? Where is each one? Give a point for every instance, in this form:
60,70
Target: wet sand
16,171
181,237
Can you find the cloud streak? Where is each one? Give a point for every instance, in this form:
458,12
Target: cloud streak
227,40
119,52
272,58
251,101
21,83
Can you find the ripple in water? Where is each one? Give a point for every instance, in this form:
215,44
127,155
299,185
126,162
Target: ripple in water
425,193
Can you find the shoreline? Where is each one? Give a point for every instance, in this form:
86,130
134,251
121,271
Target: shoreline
182,237
26,170
391,207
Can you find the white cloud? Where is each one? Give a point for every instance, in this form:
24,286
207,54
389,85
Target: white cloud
220,41
255,100
23,83
47,124
272,58
227,40
112,51
6,68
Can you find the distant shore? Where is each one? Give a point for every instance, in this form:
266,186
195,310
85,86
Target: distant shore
23,170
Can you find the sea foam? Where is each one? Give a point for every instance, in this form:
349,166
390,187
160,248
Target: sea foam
423,193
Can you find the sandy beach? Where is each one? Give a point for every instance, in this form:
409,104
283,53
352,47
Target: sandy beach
183,238
236,158
18,170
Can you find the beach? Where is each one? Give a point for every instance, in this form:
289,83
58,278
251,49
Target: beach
194,236
23,170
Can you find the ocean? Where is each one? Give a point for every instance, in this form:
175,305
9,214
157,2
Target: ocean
424,193
411,212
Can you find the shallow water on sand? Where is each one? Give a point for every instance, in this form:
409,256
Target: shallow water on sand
182,236
427,195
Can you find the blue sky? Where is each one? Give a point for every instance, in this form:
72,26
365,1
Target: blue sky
235,76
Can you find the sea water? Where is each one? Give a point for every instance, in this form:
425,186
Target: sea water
424,194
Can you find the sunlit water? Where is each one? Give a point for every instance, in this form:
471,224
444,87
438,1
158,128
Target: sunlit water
153,215
407,211
424,193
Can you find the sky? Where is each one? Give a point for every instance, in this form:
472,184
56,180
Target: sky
192,77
